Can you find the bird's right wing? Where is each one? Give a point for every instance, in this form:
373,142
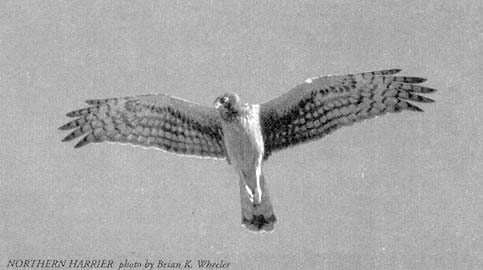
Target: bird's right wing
320,105
159,121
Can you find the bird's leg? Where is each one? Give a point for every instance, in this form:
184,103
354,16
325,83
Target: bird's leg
253,185
249,192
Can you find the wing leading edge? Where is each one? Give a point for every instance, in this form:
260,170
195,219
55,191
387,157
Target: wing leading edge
321,105
159,121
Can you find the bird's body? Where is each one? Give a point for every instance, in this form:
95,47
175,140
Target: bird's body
243,134
244,143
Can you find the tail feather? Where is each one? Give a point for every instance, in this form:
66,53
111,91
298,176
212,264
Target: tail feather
257,217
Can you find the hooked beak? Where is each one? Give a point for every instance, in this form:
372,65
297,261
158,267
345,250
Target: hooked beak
217,104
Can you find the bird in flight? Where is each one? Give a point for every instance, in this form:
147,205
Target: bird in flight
245,135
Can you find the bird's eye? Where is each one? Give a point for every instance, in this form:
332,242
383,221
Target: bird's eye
224,99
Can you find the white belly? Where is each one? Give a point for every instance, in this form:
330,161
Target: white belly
244,141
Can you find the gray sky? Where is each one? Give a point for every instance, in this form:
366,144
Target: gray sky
402,191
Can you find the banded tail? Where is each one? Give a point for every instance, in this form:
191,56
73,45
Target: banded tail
257,216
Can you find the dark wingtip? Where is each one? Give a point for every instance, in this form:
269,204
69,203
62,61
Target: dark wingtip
96,101
415,80
414,108
81,143
423,99
71,114
391,71
68,138
420,80
425,90
65,127
91,101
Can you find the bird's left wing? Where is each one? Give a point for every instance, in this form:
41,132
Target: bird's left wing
321,105
159,121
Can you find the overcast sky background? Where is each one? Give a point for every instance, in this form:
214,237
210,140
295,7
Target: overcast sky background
403,191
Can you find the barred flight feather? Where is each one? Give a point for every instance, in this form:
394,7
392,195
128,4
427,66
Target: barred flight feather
321,105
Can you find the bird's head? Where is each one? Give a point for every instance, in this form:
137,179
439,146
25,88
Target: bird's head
228,105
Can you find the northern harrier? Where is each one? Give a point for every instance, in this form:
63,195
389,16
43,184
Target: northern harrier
243,134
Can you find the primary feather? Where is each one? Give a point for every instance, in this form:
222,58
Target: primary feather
320,105
160,121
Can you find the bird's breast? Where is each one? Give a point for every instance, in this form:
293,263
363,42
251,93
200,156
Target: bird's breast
243,138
